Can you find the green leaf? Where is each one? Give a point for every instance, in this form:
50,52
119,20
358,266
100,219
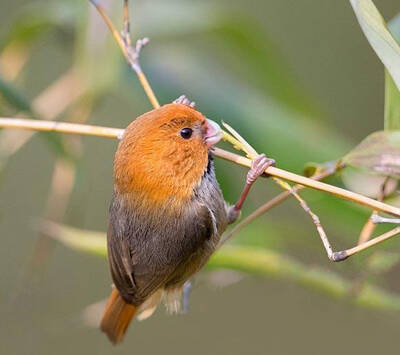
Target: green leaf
269,263
370,163
382,261
260,61
312,168
367,184
392,93
379,153
18,101
378,35
77,239
394,27
36,20
14,98
392,104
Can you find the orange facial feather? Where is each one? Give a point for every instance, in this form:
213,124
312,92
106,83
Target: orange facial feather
154,162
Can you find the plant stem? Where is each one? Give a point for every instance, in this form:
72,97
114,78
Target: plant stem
108,132
131,54
61,127
271,204
317,185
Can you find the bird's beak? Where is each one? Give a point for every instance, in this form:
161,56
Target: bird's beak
213,133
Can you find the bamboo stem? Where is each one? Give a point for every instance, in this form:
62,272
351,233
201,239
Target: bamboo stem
317,185
108,132
277,200
370,243
131,54
61,127
369,226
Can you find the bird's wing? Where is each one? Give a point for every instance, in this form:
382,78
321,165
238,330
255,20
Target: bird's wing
141,264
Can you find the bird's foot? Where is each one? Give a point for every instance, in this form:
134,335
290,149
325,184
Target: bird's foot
258,166
184,101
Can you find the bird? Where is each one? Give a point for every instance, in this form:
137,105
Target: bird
167,212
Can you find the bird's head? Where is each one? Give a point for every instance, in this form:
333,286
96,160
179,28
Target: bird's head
164,154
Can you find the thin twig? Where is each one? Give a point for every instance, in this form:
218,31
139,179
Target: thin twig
252,153
370,243
370,226
126,32
108,132
239,159
316,185
13,59
314,217
47,105
333,256
367,230
273,203
62,127
376,219
131,54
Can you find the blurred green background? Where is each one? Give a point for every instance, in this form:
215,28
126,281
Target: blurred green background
297,79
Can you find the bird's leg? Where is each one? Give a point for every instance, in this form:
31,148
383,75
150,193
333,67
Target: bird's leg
184,101
187,288
258,167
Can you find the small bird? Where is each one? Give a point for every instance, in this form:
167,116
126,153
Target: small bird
167,213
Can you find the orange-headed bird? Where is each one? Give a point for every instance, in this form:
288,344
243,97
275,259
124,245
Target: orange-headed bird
167,212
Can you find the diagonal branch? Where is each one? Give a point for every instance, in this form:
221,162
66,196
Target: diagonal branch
131,54
273,203
134,62
108,132
61,127
316,185
370,226
252,153
240,143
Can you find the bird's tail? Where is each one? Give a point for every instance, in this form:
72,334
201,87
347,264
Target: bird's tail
117,317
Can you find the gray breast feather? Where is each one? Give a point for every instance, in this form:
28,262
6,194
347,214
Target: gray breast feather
148,251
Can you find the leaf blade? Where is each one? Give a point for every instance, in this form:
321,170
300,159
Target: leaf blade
379,37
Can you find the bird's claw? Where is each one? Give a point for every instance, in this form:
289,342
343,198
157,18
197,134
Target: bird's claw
258,167
184,101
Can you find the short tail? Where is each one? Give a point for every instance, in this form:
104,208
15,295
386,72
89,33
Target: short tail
117,317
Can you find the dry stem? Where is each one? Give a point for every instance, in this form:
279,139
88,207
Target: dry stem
370,226
241,144
316,185
131,54
231,156
273,203
108,132
252,153
62,127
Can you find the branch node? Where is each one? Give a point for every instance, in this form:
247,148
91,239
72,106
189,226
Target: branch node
339,256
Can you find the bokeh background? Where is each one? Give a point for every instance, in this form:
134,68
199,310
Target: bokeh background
300,82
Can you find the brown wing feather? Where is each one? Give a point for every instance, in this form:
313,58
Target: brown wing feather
152,249
134,280
141,263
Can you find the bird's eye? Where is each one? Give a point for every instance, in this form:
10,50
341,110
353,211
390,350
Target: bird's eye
186,133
